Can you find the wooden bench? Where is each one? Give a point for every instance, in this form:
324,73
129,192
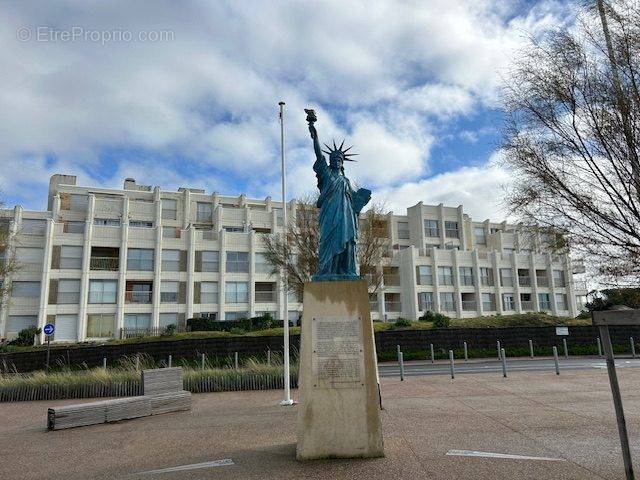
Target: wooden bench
162,393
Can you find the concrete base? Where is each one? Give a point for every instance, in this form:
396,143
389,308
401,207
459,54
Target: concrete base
339,410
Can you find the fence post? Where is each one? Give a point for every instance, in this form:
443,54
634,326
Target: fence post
236,360
451,365
432,354
498,344
466,356
269,357
137,361
401,360
599,346
633,347
531,348
104,362
555,359
202,359
169,361
566,350
504,363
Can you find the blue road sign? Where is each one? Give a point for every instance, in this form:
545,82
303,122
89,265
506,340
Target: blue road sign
48,329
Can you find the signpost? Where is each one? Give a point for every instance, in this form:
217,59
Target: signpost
603,320
48,330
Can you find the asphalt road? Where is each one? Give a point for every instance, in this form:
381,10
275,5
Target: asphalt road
522,364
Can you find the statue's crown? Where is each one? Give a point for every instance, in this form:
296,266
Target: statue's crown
344,153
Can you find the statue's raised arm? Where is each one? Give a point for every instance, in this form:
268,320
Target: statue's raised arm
311,118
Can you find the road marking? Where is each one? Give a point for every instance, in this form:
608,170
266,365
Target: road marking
471,453
193,466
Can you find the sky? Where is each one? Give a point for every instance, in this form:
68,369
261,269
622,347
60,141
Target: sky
186,94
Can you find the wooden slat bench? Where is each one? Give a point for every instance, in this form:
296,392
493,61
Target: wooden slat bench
162,393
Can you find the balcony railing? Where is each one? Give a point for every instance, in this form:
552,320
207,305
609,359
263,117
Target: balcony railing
68,297
131,296
526,304
391,306
265,297
542,281
169,297
447,307
545,305
469,305
489,306
524,281
391,279
105,263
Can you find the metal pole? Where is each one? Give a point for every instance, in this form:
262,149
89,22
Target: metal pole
599,347
617,401
137,362
235,360
169,361
202,361
633,347
104,362
498,344
451,365
285,305
531,348
269,357
401,360
466,356
432,354
48,349
398,352
555,359
566,350
504,363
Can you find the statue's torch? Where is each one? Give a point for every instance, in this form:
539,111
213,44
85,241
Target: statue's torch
311,115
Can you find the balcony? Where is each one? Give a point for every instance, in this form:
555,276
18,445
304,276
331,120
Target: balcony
391,279
265,297
391,306
469,305
169,297
526,304
542,281
134,296
373,306
524,281
489,306
105,263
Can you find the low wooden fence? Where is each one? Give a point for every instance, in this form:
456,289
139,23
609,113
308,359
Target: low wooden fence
226,383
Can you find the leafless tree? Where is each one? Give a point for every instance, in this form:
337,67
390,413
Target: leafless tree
299,251
8,264
572,135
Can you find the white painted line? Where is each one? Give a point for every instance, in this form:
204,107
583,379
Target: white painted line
193,466
471,453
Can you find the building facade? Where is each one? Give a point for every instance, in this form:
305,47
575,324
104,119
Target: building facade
99,263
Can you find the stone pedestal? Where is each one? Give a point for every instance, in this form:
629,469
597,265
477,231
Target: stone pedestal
339,410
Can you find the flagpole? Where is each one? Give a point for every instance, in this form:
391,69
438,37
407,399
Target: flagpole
285,291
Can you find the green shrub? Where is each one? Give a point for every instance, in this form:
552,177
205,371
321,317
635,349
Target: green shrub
237,331
169,330
25,337
402,322
439,320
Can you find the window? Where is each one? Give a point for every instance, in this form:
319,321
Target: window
425,276
543,300
17,323
73,227
67,328
235,315
140,259
466,275
167,319
170,232
431,228
445,275
262,265
29,256
100,325
447,302
561,301
403,230
480,235
451,229
171,260
558,278
508,301
486,276
235,229
138,321
425,301
140,224
237,262
103,291
209,292
210,261
204,212
68,291
236,292
265,292
293,316
506,277
488,302
169,209
107,222
494,230
31,226
279,217
169,291
78,203
25,289
70,257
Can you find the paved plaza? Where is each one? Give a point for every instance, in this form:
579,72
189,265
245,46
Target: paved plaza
434,428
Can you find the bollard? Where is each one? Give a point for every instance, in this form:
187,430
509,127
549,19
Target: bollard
555,359
236,360
137,361
498,343
531,348
633,347
466,356
169,361
451,365
566,350
432,354
504,363
599,347
202,361
401,361
104,362
269,357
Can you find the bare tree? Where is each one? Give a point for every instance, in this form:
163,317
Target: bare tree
299,251
572,135
8,264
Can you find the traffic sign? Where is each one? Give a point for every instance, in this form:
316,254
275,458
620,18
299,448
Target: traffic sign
49,328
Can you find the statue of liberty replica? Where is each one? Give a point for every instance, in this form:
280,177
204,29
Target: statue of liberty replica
339,410
339,208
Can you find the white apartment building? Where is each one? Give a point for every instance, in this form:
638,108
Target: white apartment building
98,261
